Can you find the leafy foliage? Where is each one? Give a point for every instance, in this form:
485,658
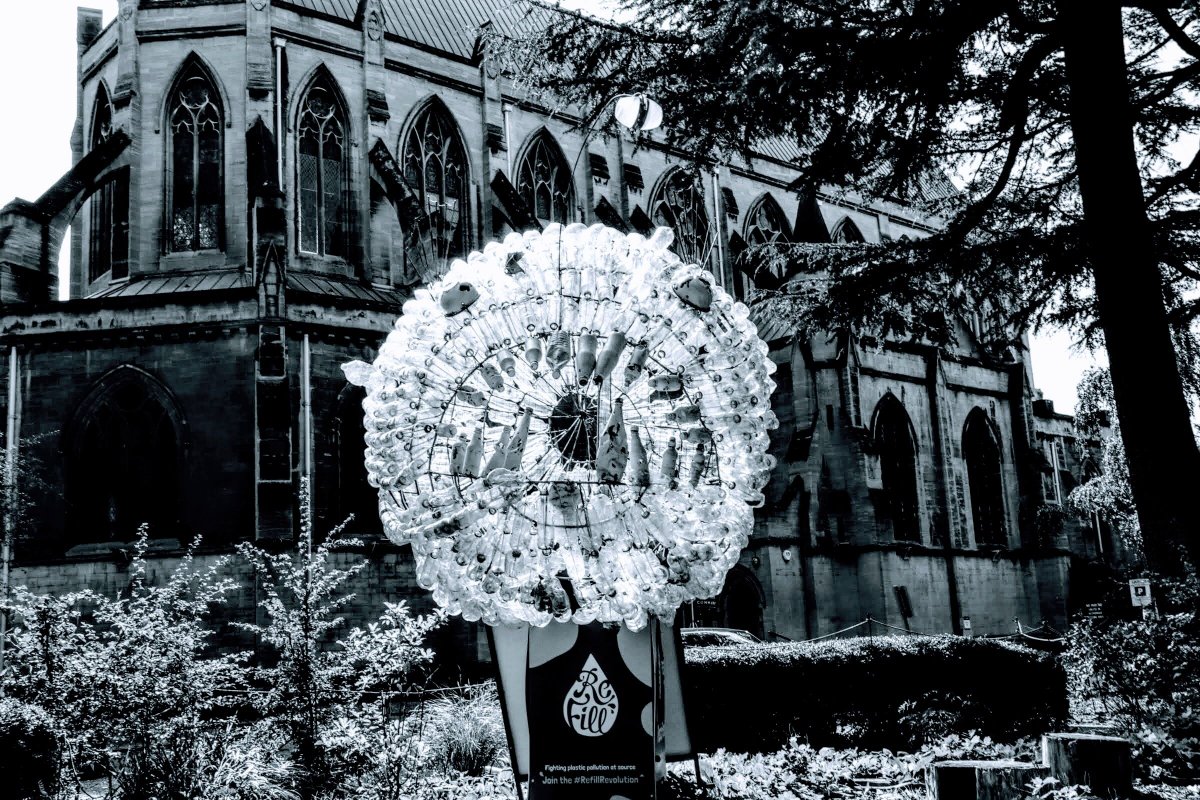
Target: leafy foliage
883,692
132,688
465,732
1108,493
1141,676
798,770
320,692
118,676
876,96
31,744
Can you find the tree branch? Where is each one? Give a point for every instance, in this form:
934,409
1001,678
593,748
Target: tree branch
1186,177
1014,114
1025,23
1178,35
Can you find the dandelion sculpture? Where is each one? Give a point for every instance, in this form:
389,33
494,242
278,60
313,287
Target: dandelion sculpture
572,426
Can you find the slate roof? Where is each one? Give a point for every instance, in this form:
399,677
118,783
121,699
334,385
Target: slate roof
447,26
771,326
321,285
174,283
342,290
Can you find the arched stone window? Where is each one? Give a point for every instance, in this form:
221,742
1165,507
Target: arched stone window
544,181
897,448
108,215
981,451
102,114
679,204
195,189
846,232
765,224
354,494
322,170
435,167
124,451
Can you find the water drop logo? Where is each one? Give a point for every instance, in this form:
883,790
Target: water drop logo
590,706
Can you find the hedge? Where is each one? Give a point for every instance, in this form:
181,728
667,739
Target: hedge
29,749
895,691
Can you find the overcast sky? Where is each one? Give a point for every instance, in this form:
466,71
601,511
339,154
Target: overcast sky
37,106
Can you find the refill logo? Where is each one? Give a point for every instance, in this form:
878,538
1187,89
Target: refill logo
590,706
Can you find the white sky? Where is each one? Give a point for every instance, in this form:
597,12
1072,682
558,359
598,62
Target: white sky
37,104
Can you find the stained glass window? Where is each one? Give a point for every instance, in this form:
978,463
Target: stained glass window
765,224
109,205
196,190
981,451
544,182
322,172
435,168
898,467
679,204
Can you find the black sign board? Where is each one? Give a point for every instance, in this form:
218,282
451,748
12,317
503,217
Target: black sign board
594,723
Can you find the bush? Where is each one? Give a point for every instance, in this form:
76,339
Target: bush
465,732
121,676
800,771
1142,677
192,761
879,692
30,745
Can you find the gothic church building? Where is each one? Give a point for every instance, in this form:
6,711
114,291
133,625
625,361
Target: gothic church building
257,186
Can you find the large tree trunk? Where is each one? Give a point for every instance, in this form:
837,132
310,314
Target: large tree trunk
1164,463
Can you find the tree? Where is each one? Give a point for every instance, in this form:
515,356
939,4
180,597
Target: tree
1062,111
125,681
308,682
1106,494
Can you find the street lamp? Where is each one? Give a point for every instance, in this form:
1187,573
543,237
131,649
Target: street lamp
638,112
635,111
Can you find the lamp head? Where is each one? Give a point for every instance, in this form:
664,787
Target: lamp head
638,112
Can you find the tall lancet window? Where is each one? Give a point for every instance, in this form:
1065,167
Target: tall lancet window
435,167
679,204
897,450
544,181
322,171
981,451
108,215
196,186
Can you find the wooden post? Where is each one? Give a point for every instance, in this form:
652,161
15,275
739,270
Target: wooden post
1104,763
982,780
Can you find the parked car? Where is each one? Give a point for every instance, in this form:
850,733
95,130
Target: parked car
718,637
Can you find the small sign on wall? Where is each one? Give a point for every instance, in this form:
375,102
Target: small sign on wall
1139,592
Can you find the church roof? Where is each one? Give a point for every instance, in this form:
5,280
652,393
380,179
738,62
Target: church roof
772,326
179,283
335,289
447,26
